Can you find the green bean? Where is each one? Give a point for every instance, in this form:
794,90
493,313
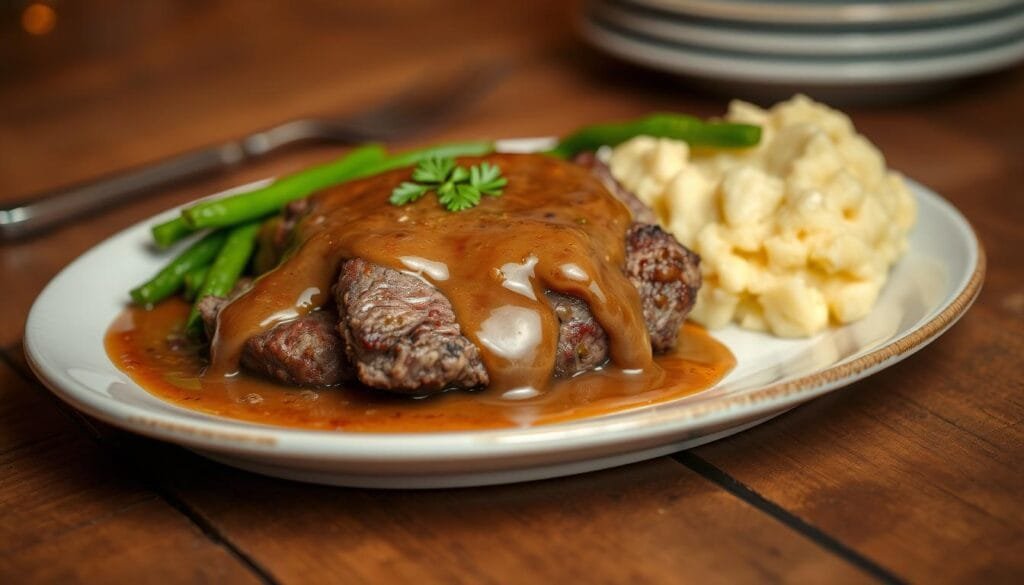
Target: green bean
193,280
689,129
169,280
362,162
169,232
411,157
226,267
270,199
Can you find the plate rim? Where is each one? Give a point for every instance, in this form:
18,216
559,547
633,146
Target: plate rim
225,435
852,44
802,13
781,69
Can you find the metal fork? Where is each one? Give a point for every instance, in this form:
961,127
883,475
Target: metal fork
417,108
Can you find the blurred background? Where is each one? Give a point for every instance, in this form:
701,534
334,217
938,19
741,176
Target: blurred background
91,87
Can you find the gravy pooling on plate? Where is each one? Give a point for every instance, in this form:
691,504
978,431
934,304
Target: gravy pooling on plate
557,232
151,348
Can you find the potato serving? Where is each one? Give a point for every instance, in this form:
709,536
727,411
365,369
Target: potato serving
794,233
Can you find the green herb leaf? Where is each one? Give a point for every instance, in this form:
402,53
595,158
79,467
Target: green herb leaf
456,187
460,198
459,175
487,179
408,192
433,170
445,189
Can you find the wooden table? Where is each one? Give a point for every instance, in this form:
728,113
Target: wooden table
913,474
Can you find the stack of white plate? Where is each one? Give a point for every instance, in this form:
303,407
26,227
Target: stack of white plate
858,47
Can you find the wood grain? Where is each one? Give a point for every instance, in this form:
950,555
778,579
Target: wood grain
70,512
148,542
918,463
643,523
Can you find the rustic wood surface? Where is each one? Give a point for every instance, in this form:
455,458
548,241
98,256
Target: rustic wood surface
914,474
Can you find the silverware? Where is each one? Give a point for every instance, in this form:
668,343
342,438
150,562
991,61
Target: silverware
415,109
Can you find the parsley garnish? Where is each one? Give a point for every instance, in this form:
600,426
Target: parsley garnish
457,188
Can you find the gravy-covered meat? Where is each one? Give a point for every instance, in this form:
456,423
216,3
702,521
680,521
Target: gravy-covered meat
582,342
306,351
667,275
276,234
401,332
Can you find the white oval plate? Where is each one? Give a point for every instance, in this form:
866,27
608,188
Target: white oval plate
929,289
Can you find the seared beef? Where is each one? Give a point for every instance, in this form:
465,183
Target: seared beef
582,342
667,275
401,332
304,352
276,235
402,335
639,209
209,307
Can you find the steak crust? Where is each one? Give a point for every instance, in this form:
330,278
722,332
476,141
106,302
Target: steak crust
582,342
396,332
667,275
306,351
401,332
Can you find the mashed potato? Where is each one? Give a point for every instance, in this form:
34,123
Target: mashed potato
794,233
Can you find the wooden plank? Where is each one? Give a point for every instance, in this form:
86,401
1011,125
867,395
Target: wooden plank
148,542
26,417
917,468
70,512
649,522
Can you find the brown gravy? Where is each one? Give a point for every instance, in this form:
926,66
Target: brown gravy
149,347
555,227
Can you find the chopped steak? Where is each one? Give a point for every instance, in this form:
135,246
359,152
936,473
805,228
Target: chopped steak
666,273
303,352
401,332
582,342
209,306
667,276
639,209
